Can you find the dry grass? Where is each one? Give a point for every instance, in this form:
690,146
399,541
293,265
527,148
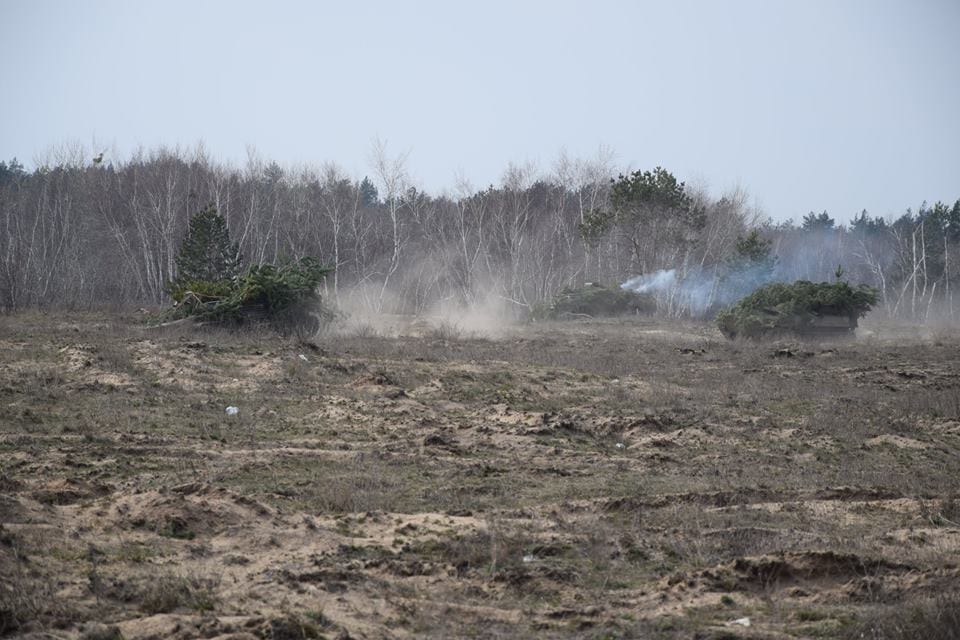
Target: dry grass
934,619
26,594
170,591
601,479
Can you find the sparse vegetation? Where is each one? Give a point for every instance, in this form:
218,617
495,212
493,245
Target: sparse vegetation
934,619
618,477
169,592
26,595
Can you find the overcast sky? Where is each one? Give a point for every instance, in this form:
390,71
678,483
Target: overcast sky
809,104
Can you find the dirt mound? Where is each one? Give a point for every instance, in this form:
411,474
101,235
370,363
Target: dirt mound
375,378
863,494
90,366
736,497
379,383
69,491
188,511
9,485
13,510
797,568
555,422
184,627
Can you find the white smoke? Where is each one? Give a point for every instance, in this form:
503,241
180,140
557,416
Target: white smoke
652,282
699,292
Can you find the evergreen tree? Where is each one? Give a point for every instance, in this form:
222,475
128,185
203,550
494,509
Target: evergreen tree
207,255
814,222
755,249
864,225
368,193
751,265
654,214
12,171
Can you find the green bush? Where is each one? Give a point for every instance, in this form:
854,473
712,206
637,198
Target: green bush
779,308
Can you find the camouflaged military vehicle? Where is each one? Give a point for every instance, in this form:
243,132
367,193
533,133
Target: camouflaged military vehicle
802,309
594,300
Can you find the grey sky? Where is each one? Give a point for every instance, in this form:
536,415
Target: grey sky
810,105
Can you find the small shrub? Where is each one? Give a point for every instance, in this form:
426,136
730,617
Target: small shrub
364,330
296,627
445,330
25,599
937,619
102,632
170,592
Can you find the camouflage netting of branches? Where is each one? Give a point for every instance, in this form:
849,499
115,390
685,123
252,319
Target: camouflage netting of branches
595,301
783,308
285,297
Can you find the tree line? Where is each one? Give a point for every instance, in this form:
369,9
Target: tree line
80,233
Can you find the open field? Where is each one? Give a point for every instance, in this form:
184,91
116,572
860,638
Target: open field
609,479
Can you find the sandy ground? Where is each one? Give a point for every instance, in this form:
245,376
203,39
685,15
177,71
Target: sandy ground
587,479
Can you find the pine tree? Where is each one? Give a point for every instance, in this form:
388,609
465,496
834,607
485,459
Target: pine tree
368,193
751,265
207,255
814,222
